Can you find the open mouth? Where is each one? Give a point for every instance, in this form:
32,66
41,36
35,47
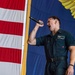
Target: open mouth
49,26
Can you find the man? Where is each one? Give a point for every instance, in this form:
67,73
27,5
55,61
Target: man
56,45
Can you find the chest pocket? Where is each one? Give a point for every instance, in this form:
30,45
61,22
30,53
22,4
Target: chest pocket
47,43
60,42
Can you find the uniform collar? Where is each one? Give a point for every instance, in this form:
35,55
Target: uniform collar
59,31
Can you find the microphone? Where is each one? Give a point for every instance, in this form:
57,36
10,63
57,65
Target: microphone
35,20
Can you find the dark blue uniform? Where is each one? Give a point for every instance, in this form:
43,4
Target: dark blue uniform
56,50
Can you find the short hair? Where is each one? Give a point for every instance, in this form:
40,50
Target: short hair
55,17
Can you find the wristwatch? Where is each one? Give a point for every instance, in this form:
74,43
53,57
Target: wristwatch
71,65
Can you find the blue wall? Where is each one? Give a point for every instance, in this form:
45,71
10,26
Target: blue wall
42,9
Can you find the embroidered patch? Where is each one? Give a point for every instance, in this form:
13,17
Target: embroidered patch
60,37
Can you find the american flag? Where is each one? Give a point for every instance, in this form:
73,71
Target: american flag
12,17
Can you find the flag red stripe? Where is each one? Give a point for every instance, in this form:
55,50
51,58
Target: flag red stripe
13,4
10,55
11,28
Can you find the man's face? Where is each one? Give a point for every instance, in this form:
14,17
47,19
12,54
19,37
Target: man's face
51,24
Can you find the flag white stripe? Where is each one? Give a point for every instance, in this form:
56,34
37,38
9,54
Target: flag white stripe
9,68
10,41
12,15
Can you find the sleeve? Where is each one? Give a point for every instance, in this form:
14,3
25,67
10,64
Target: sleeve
70,41
40,41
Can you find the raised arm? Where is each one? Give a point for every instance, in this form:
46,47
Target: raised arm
32,37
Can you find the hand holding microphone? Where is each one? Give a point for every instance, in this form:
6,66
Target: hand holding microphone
39,23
